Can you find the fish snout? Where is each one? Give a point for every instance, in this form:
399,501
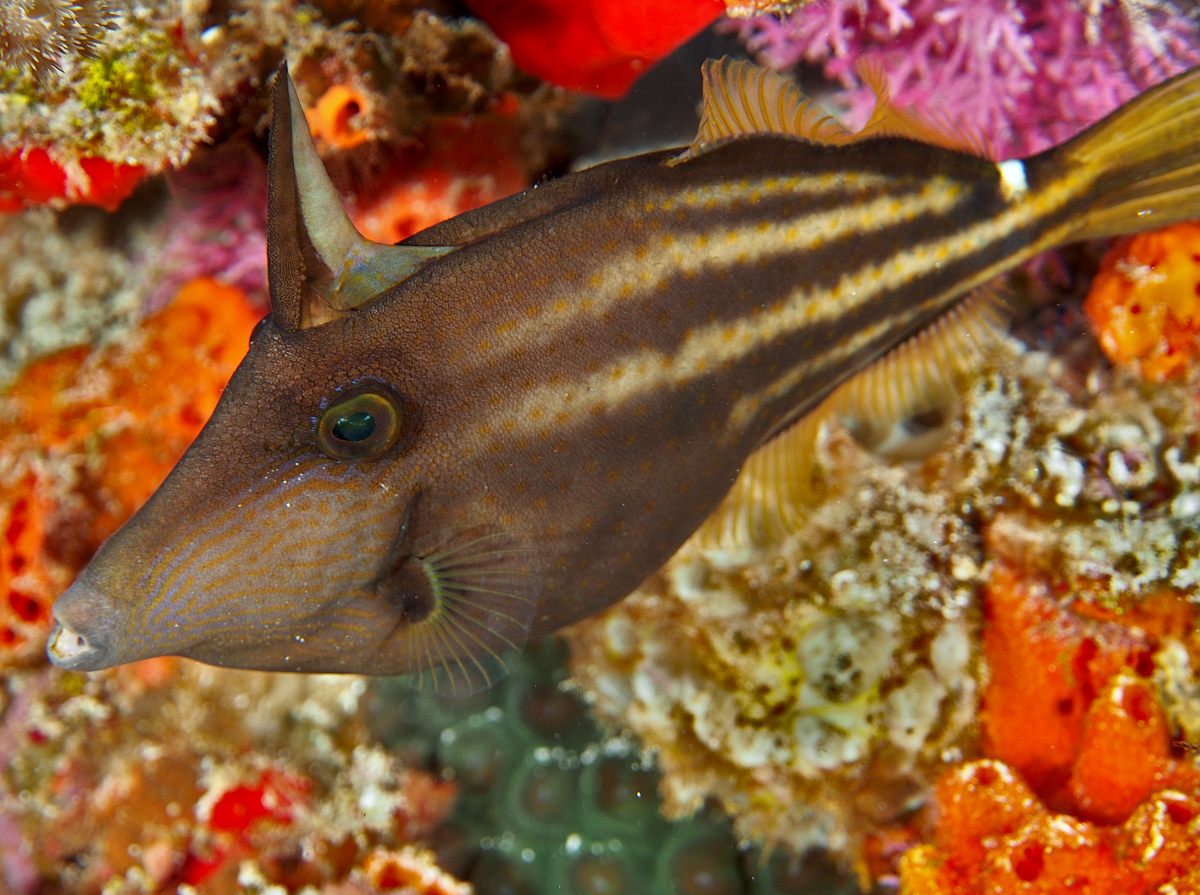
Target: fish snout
79,641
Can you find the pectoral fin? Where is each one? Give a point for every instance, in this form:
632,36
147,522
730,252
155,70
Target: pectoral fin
318,264
463,610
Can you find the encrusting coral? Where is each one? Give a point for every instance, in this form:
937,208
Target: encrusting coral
86,435
155,82
993,835
1145,301
819,686
1025,593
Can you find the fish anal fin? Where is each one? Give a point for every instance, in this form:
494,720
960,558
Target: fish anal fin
900,408
743,99
319,267
888,120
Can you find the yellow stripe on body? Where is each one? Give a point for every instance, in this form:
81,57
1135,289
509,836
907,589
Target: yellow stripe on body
899,270
641,373
645,266
734,192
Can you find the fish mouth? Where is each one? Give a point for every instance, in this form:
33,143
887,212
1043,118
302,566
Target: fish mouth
68,649
72,645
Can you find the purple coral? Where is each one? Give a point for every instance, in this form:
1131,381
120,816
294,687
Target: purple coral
217,225
1022,75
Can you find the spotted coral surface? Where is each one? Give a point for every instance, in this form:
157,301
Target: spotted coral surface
1145,301
994,835
1074,702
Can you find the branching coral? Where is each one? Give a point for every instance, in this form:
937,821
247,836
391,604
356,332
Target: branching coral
1021,75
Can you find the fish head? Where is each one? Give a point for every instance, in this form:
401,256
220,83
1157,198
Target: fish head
325,450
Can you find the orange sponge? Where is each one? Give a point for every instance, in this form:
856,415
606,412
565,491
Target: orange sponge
1145,302
337,117
994,836
87,435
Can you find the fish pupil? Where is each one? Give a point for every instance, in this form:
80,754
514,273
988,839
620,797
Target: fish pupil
354,427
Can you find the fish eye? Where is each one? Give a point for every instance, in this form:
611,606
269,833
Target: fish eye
361,425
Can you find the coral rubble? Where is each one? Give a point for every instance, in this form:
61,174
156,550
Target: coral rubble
169,774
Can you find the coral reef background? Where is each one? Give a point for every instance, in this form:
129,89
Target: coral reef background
970,670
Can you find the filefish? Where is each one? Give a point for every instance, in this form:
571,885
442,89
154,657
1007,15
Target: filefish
435,450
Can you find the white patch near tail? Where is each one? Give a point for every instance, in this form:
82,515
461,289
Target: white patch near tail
1013,184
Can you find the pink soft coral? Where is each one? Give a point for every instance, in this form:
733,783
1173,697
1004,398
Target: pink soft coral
1022,75
217,222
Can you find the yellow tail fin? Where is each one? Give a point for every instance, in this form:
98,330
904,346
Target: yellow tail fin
1145,158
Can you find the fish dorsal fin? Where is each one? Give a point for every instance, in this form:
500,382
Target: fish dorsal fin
886,407
887,120
318,265
743,99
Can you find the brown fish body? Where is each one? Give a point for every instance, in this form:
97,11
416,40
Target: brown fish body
608,404
574,388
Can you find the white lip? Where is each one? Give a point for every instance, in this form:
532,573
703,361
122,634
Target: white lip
66,647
